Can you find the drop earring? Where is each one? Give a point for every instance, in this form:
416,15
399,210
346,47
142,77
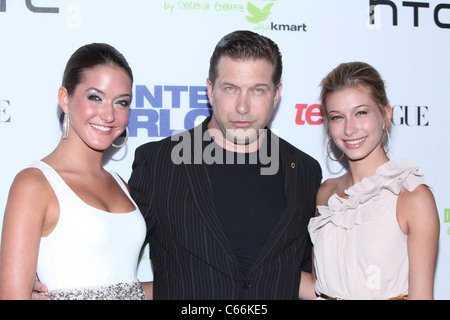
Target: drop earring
388,142
66,120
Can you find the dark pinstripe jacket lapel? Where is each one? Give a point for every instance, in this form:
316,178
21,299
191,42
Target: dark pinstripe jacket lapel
200,185
198,180
287,165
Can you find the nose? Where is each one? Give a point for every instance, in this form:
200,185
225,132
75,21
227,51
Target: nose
350,128
243,103
107,112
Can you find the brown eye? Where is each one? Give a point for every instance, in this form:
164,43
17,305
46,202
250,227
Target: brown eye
124,103
359,113
93,97
335,117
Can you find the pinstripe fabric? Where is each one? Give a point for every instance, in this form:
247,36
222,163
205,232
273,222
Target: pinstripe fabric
191,256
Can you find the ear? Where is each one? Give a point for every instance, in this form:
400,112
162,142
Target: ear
277,94
209,91
388,117
63,99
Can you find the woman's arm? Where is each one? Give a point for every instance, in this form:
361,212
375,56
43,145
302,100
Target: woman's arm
418,218
148,290
22,229
307,284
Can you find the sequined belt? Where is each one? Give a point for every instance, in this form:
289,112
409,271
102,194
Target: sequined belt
118,291
324,296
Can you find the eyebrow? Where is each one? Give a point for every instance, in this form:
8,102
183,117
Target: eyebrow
355,107
227,83
100,91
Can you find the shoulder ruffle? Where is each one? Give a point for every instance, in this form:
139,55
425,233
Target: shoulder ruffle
344,213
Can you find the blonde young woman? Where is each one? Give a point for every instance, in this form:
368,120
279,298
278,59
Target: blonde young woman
376,233
68,219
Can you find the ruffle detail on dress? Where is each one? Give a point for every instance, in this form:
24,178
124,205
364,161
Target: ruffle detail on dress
345,213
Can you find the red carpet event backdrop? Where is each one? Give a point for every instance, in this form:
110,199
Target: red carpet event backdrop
168,44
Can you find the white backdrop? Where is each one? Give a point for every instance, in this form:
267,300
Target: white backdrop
168,44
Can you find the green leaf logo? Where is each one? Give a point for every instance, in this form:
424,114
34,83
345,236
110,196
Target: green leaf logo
258,15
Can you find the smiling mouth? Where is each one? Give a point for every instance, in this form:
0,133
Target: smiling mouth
355,143
101,128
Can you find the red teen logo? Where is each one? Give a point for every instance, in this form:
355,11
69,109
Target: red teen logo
310,114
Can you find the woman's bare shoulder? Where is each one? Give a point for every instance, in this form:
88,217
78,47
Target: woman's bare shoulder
327,189
30,184
30,177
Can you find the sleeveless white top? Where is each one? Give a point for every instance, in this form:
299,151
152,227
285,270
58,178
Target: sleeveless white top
360,252
88,247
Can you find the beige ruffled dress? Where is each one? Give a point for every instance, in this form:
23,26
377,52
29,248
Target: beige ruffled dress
360,252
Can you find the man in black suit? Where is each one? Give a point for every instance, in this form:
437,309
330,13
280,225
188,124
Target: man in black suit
227,203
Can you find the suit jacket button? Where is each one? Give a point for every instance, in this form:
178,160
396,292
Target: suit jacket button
246,285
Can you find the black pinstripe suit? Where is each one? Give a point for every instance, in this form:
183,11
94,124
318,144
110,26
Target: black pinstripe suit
191,256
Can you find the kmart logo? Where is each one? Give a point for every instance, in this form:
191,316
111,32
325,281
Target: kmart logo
259,16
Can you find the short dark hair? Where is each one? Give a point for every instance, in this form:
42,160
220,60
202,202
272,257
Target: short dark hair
90,56
246,45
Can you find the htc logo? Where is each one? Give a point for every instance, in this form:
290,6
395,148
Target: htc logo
416,8
31,7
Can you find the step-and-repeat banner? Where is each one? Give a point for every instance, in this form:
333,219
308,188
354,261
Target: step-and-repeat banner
168,44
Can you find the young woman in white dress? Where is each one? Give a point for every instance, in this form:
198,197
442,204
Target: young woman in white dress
68,219
377,229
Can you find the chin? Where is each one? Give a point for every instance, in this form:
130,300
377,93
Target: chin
356,157
100,147
245,140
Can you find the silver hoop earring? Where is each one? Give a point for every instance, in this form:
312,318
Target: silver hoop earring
328,152
388,142
124,141
66,126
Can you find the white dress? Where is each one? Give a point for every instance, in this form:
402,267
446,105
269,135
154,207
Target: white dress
360,252
90,254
